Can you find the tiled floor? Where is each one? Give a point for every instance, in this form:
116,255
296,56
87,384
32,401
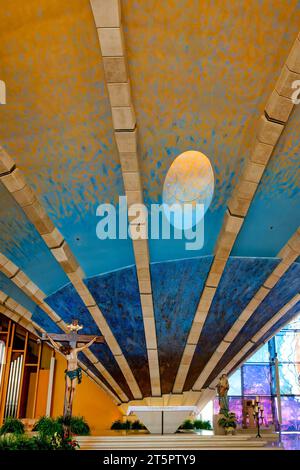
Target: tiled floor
291,441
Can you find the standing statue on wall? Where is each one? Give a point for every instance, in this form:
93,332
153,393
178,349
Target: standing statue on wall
73,373
222,389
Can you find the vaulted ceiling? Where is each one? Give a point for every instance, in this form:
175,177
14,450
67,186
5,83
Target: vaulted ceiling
209,76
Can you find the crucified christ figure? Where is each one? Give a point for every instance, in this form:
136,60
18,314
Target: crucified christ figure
73,373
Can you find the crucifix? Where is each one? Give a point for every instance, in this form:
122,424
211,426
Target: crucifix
73,373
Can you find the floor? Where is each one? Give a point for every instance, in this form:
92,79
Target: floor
291,440
174,441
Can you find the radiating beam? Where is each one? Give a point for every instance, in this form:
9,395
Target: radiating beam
31,326
12,178
23,318
288,255
19,315
23,282
270,126
107,15
208,393
258,336
23,315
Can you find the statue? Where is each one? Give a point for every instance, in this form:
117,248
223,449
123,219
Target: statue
73,373
222,389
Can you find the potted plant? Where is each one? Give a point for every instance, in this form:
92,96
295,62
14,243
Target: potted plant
12,426
121,426
117,425
228,422
138,428
47,426
78,425
187,426
40,442
205,425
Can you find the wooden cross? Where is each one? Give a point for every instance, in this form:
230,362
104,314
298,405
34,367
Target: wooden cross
73,338
73,372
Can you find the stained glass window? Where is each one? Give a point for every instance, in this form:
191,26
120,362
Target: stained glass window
235,383
261,355
289,379
257,377
290,409
288,346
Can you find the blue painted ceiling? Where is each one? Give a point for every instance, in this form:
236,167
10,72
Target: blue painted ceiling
205,95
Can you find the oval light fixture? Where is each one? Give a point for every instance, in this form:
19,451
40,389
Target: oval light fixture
190,180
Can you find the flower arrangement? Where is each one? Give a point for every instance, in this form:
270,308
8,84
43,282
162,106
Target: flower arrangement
228,422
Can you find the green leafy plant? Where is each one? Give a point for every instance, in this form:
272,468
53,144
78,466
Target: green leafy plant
18,442
117,425
120,425
199,424
41,442
77,424
228,422
137,426
127,425
48,426
12,425
187,424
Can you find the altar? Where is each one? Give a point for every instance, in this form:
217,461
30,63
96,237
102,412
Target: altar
162,419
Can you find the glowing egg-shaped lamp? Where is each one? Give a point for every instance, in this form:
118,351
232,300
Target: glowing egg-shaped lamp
190,180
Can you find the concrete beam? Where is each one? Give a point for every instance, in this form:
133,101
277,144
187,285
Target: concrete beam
243,354
14,181
21,314
288,255
268,132
107,15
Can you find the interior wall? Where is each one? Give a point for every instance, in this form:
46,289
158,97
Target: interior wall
42,392
90,401
30,399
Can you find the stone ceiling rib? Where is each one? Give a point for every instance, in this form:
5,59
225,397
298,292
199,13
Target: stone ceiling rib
14,181
21,315
270,126
258,336
288,255
107,15
18,314
209,393
23,282
32,327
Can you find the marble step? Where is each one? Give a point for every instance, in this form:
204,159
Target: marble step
169,442
165,437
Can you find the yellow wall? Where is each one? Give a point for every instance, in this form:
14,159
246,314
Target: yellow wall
30,399
90,401
42,392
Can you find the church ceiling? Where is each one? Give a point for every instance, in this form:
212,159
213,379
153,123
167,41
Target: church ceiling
200,75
